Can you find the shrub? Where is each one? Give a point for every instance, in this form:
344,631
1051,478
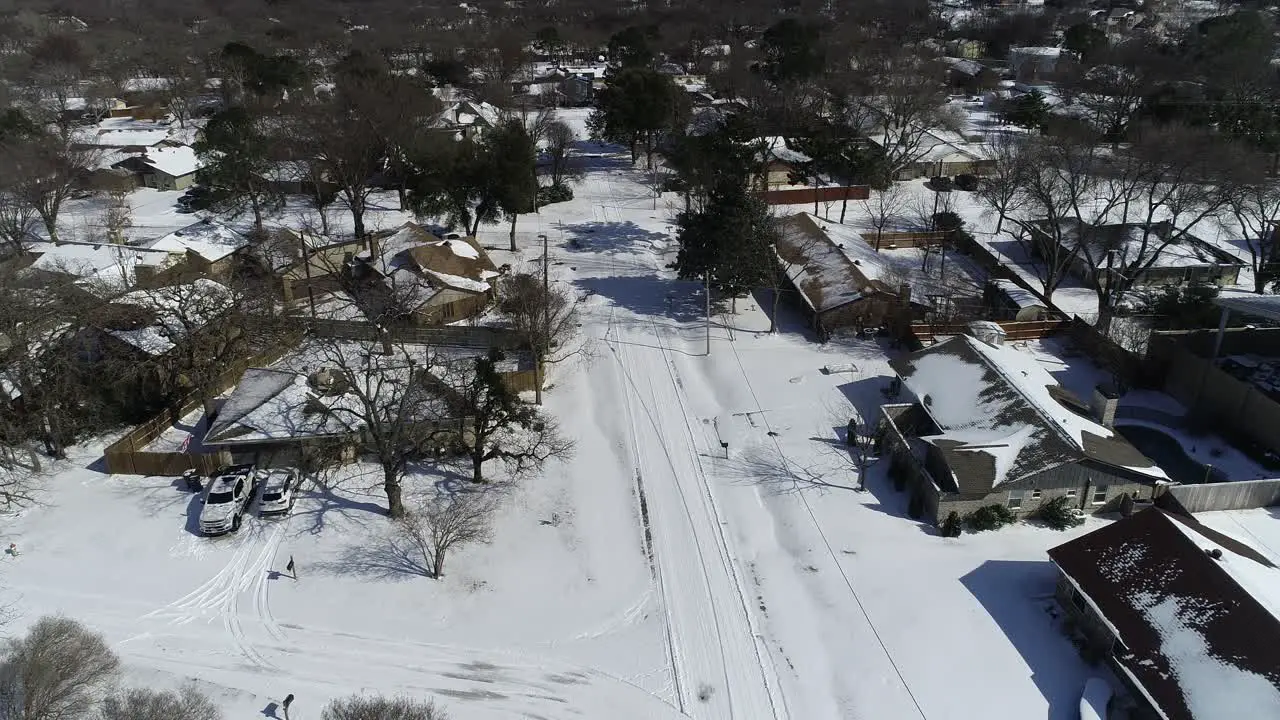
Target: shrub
1058,515
554,194
989,517
952,527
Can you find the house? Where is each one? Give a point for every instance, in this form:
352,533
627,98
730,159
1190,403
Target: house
1159,261
1187,618
123,135
465,119
780,163
1014,302
841,279
989,425
297,177
970,76
298,412
202,249
100,269
577,90
428,279
1032,64
163,167
150,323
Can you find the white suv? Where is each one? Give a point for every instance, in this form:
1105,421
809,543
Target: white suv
279,491
226,500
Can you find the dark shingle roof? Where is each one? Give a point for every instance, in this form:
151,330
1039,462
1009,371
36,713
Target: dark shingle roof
1200,639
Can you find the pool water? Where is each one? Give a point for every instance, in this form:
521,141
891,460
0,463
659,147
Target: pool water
1167,452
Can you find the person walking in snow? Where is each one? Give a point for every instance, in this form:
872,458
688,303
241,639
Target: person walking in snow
13,549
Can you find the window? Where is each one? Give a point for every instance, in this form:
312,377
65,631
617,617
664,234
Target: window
1099,494
1035,494
1071,492
1015,499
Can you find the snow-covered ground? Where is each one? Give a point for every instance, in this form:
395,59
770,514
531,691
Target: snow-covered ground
704,553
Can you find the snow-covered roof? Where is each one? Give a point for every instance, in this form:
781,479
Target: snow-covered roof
173,161
272,404
1127,239
177,310
1195,609
124,137
458,282
1263,306
1017,294
210,240
776,148
1001,416
419,264
466,113
107,263
1036,51
831,265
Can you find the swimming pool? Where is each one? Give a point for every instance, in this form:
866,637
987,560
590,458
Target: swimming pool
1167,452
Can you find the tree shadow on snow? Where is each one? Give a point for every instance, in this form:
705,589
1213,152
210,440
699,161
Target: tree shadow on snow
379,558
610,238
768,466
324,498
652,296
1018,595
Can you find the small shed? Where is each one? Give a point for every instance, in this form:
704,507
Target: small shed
1023,304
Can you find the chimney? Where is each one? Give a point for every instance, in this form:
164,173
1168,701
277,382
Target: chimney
988,332
1105,401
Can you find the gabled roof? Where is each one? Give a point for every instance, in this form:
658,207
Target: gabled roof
830,265
1127,239
173,161
210,240
269,405
1196,610
422,264
106,263
1001,417
174,312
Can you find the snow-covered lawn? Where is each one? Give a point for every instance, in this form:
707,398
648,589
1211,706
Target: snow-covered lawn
704,551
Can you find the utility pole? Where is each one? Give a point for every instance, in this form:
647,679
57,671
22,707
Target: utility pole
707,292
546,319
306,269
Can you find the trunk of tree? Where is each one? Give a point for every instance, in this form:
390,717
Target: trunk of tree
257,213
999,222
477,464
209,408
437,563
513,231
324,220
733,305
357,218
773,316
635,149
402,192
844,205
50,219
879,234
391,484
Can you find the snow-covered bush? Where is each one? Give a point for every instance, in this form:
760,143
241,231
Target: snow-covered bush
952,526
989,517
1058,515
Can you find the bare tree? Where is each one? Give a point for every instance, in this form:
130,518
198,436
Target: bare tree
390,400
44,171
1255,205
58,671
17,221
546,319
559,138
447,522
365,707
883,207
188,703
1001,188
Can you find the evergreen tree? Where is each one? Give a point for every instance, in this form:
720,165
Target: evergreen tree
731,240
636,107
235,151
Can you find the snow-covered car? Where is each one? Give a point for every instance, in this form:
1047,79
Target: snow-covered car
226,500
279,491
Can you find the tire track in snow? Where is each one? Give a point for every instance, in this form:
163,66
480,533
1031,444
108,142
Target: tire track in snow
826,543
220,595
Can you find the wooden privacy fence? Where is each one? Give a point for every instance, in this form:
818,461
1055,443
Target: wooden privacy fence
481,337
1014,330
809,196
128,456
898,240
1242,495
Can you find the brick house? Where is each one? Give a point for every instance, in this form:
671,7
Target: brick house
842,280
1186,617
989,425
